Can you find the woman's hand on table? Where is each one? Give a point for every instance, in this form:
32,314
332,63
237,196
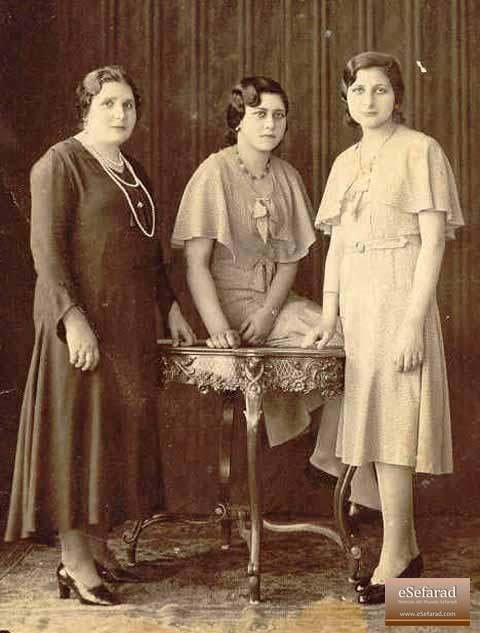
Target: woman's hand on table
227,339
409,347
319,335
81,340
256,328
182,333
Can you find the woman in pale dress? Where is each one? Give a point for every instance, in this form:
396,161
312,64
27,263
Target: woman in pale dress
389,204
245,222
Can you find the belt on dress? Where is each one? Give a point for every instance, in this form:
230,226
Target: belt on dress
382,243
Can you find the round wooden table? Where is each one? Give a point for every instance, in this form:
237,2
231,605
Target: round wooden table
253,372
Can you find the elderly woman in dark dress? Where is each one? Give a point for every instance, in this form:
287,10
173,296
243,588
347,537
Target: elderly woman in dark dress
87,456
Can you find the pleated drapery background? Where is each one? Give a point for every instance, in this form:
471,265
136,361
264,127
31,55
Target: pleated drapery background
185,56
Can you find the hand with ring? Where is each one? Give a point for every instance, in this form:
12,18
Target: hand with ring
227,339
256,327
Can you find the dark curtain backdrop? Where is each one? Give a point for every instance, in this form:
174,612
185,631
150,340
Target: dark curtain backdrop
186,55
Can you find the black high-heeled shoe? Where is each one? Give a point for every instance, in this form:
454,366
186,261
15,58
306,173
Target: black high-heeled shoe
99,595
375,593
415,563
362,583
115,574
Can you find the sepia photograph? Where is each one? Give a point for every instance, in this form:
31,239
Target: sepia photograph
239,316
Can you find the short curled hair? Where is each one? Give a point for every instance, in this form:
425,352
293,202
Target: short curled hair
248,92
92,83
389,65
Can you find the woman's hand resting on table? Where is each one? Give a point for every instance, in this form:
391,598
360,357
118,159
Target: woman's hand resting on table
409,347
180,329
321,334
256,328
227,339
81,340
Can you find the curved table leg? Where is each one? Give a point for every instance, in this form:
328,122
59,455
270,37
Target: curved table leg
253,412
224,467
132,540
353,550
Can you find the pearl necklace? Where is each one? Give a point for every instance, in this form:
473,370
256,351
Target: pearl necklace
244,168
114,164
121,184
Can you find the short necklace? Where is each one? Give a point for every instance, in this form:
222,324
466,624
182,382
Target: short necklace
108,161
121,184
244,168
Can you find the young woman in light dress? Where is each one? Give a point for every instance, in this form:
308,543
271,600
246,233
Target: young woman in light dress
389,204
245,222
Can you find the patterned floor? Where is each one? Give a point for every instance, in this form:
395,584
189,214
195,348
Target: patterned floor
194,586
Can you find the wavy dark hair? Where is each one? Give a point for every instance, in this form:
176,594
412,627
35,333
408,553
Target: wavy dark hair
92,83
392,69
248,92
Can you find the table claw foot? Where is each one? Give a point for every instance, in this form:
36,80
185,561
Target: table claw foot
254,584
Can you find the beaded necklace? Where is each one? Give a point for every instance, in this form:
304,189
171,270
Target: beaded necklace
244,168
263,206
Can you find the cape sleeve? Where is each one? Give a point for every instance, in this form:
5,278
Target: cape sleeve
338,180
203,208
294,241
430,185
53,204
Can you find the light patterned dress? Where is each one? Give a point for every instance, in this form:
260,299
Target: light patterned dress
389,416
252,234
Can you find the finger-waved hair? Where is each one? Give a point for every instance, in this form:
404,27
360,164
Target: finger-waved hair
389,65
248,92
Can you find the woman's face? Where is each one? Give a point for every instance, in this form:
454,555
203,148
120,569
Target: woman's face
371,98
264,125
112,114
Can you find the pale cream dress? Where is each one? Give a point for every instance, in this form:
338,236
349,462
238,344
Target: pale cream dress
389,416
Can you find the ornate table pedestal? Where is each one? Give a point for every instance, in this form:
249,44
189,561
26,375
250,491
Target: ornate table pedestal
253,372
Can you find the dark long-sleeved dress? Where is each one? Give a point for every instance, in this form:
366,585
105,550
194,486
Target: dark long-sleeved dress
87,450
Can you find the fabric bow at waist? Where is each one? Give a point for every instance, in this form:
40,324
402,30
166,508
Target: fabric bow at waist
254,275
